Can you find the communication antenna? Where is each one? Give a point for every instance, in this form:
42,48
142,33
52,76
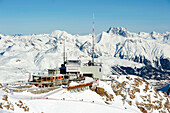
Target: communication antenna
93,42
66,57
64,51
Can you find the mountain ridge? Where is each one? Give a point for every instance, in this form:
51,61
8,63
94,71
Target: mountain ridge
136,48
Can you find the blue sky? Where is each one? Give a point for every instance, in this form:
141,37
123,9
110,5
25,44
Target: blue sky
75,16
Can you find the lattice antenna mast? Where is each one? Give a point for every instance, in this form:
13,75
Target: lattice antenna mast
64,51
93,42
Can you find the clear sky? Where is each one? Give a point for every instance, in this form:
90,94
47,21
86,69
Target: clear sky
75,16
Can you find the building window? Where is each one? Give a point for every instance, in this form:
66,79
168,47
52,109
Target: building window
100,69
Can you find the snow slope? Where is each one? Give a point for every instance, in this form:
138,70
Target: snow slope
22,54
140,97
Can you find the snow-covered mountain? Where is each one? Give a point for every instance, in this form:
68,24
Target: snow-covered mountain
121,52
142,54
127,94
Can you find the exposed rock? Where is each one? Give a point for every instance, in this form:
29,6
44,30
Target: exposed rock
118,30
1,86
5,98
100,91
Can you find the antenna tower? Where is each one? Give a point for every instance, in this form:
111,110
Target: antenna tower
93,42
64,52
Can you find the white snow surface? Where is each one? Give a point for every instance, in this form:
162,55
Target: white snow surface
64,101
23,55
20,56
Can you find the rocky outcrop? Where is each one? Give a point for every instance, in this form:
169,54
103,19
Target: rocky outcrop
119,31
140,93
7,104
103,93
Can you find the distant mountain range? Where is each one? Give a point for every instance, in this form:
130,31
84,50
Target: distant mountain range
122,52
